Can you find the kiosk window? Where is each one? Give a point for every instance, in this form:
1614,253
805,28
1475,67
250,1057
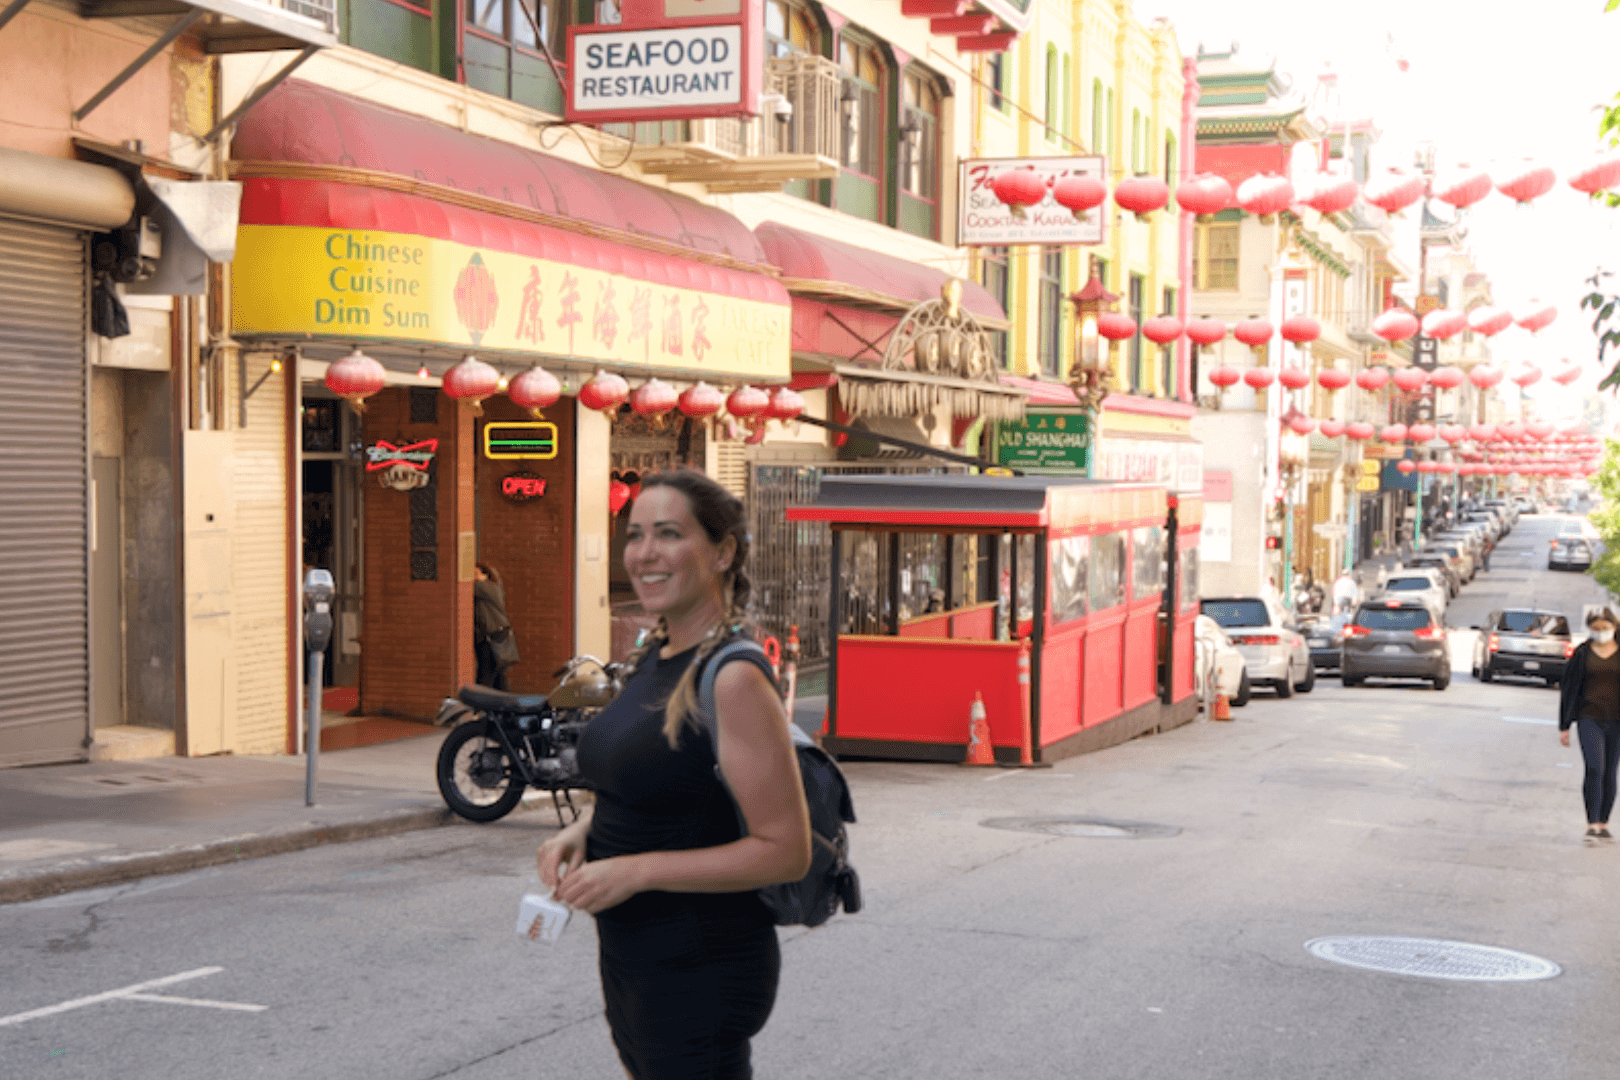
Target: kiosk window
1147,562
1106,573
1067,562
1026,577
1189,577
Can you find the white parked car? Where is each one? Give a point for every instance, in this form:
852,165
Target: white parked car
1274,653
1212,649
1427,584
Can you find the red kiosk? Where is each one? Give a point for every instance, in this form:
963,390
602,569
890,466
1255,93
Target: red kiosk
941,582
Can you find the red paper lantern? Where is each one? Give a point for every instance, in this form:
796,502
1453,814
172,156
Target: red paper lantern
1537,316
1162,329
605,392
1294,378
1300,329
1373,378
1484,376
471,380
1115,326
1527,374
1538,429
747,402
1489,320
1333,378
1406,466
1253,331
1452,433
1079,193
1427,467
1301,425
1525,181
1392,433
1225,376
1141,194
1265,194
1600,175
1441,324
1359,430
1447,378
1204,194
700,400
1482,433
1464,188
1329,194
1513,431
1205,330
1393,191
1566,375
1019,189
1395,325
1333,428
355,378
1421,432
786,404
534,389
1259,377
1411,378
653,398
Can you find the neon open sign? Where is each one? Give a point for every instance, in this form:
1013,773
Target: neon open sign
535,440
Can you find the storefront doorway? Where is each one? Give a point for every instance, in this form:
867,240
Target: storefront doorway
333,533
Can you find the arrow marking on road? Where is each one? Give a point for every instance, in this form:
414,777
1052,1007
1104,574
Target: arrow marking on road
135,993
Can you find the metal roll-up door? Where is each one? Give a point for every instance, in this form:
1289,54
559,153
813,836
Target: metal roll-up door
44,634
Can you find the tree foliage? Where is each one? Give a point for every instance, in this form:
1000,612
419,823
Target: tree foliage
1605,319
1606,517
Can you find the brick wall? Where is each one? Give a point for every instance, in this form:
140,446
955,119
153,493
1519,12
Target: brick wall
531,545
416,636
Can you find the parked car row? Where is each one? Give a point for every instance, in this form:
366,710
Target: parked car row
1274,652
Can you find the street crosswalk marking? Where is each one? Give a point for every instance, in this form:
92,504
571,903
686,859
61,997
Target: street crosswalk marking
137,992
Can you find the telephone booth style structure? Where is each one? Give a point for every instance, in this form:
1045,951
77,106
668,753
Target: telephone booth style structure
942,583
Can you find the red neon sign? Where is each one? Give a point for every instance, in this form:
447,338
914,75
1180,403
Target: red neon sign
416,455
523,486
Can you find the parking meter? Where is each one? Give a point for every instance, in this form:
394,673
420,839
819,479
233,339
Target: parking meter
319,592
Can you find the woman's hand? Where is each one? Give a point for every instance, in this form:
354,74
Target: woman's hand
1563,737
562,854
599,885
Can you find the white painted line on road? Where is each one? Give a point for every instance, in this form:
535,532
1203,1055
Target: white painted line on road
1542,721
1002,775
166,1000
114,995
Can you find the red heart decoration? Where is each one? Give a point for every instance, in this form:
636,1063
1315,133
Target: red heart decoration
618,495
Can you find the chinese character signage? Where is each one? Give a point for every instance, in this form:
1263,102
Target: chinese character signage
985,219
362,285
1056,441
668,60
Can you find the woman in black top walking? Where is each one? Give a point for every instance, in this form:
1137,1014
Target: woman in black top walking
1589,701
687,952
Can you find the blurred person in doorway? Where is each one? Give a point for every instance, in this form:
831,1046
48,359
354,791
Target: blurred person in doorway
494,642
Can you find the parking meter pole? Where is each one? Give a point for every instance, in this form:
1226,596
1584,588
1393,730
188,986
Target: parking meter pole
319,592
312,725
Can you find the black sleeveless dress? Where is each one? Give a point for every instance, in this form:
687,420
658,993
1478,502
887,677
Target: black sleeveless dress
687,978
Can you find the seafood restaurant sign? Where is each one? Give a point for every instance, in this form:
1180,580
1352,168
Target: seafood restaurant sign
985,219
668,60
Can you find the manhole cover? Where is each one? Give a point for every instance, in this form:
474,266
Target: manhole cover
1091,828
1430,958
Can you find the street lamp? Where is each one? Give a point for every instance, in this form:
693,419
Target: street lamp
1092,373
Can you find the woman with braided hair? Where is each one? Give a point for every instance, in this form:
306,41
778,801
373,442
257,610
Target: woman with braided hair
687,951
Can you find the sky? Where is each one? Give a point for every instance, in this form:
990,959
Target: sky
1488,82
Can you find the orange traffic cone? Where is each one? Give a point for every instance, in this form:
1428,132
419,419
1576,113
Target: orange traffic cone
1223,708
979,751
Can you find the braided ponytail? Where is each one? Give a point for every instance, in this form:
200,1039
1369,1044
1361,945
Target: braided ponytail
720,514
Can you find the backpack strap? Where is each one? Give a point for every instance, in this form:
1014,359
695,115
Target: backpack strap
708,714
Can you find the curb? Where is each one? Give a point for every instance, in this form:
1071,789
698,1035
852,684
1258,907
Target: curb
117,869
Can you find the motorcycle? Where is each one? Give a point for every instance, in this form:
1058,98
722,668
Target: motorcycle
502,743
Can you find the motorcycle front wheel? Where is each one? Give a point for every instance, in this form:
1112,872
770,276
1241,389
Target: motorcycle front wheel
477,777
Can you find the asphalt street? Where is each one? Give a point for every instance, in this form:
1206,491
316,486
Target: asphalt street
1176,952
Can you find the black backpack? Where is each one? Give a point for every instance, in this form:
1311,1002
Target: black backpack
832,880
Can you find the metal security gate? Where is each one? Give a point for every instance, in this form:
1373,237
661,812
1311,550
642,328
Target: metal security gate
790,560
44,632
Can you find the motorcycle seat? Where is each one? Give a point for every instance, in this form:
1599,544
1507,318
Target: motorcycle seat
490,700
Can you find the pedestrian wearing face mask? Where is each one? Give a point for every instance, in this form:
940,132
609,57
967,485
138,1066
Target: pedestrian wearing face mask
1589,701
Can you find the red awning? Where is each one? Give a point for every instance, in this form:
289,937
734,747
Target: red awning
1235,164
1043,393
839,273
321,204
301,123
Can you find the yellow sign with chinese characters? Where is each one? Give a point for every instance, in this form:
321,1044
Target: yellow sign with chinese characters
364,285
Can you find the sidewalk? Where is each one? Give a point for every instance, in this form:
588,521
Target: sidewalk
67,827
